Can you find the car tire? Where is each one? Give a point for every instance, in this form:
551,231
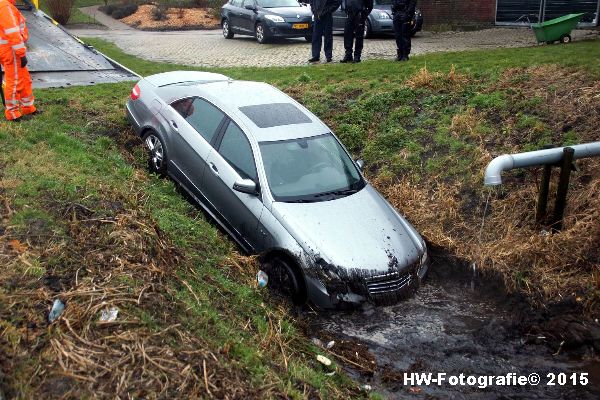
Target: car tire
286,279
368,30
157,153
227,32
260,33
308,38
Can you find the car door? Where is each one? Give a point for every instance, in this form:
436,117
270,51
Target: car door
247,17
194,124
234,15
232,161
339,19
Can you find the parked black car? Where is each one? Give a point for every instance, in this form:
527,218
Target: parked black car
266,19
379,21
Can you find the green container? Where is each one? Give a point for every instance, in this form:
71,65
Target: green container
556,29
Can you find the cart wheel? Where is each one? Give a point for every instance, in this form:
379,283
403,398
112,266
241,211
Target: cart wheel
565,39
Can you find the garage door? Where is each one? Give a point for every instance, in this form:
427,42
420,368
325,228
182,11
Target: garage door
518,12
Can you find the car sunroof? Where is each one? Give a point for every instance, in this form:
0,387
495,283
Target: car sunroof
275,114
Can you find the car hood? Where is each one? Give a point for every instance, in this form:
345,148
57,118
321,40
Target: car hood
288,12
361,234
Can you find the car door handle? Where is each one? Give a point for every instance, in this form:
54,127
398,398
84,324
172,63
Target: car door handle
214,168
174,125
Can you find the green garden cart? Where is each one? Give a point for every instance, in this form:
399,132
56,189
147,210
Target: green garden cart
557,29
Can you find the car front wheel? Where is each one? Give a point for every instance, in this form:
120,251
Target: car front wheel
227,32
260,33
286,279
157,155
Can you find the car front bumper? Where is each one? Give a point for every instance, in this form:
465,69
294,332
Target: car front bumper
285,29
382,289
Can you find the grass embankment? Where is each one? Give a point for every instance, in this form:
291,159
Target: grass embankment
83,221
428,128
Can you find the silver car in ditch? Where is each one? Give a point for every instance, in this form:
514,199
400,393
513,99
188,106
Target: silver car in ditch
281,184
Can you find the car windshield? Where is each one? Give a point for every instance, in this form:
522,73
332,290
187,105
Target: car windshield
383,2
278,3
309,169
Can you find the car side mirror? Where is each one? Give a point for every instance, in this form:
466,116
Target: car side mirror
250,7
360,164
247,186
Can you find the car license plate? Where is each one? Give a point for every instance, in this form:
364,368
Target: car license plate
300,26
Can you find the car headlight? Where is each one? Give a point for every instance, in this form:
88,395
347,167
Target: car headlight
312,18
384,15
274,18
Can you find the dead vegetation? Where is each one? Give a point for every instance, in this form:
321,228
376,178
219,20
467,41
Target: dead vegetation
495,228
104,254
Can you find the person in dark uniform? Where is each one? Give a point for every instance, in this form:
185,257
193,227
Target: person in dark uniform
403,12
357,12
322,27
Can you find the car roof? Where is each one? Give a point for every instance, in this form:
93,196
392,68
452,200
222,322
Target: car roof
266,113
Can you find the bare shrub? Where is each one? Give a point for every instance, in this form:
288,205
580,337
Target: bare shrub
60,10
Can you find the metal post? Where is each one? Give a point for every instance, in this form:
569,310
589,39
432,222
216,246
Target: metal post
563,188
542,204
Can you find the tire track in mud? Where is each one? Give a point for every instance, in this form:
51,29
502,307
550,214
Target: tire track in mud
457,324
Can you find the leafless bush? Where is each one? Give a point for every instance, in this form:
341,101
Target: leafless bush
60,10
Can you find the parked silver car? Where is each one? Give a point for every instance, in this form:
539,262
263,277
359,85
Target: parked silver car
281,184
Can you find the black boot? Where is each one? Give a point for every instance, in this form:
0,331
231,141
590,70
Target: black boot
347,58
398,55
356,58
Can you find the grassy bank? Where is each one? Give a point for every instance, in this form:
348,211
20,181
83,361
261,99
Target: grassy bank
82,221
428,128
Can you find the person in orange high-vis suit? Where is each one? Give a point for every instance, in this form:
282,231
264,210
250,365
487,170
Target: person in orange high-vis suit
18,94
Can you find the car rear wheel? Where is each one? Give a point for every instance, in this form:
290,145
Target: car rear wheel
157,155
260,33
227,32
286,279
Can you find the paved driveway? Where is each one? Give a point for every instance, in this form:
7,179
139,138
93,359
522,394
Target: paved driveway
210,48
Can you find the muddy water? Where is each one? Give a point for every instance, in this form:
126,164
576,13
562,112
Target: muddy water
455,324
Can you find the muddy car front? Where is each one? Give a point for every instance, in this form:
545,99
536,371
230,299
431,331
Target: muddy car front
356,249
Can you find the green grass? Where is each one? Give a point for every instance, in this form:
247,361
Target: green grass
77,17
74,153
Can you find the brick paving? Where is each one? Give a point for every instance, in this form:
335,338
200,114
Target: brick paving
210,48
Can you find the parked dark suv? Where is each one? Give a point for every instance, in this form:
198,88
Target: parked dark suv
266,19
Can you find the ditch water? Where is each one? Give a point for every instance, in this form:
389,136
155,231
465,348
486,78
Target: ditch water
453,325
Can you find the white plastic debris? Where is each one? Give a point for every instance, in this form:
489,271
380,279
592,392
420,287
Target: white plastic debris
330,373
262,278
109,314
324,360
57,309
366,388
330,344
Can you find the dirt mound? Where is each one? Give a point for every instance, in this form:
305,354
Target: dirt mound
175,19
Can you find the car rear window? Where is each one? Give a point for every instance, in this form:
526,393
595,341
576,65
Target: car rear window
203,116
275,114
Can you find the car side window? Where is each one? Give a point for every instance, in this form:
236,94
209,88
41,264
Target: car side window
236,3
203,116
247,3
236,150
